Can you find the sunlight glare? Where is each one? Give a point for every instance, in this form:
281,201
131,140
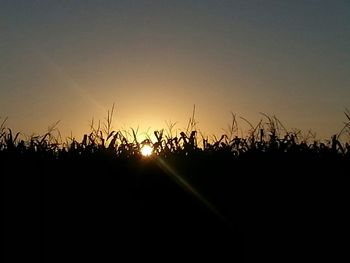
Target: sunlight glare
146,150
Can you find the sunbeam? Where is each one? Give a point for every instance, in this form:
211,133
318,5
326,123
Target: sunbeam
184,184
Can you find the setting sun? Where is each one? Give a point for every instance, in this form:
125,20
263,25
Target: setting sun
146,150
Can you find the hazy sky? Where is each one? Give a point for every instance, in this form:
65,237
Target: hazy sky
70,60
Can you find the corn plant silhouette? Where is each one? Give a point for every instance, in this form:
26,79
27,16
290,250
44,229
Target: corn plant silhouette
226,198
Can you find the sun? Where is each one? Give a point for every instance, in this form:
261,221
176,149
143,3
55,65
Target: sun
146,150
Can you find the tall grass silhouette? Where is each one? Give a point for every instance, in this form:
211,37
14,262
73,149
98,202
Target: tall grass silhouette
272,194
269,135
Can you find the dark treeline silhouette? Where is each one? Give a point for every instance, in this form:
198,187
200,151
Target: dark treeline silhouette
268,196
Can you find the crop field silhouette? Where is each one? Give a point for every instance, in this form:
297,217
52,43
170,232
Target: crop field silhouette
270,195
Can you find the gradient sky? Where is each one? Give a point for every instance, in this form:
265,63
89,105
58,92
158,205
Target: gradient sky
70,60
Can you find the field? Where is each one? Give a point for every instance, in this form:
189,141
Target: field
269,195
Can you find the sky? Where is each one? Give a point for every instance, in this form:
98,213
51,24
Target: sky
71,60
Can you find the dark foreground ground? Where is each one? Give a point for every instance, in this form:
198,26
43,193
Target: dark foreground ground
189,208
